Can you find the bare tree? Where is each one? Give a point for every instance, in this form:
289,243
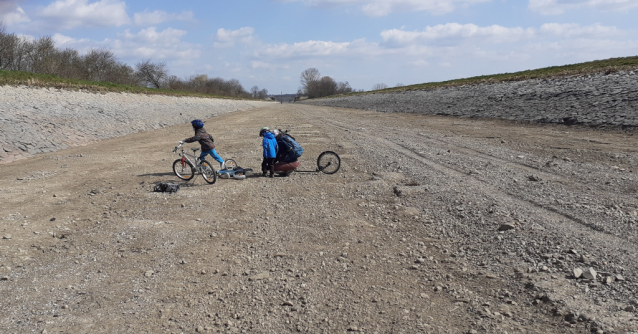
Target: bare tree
254,91
343,88
310,80
399,85
263,94
151,74
379,86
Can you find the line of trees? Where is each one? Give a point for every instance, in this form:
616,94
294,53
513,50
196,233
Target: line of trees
258,94
314,85
18,53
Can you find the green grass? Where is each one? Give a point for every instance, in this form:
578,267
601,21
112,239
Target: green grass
598,66
15,78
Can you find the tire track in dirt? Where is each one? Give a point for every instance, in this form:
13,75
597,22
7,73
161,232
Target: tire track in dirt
557,214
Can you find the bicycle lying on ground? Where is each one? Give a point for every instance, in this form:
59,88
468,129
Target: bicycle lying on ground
186,167
328,162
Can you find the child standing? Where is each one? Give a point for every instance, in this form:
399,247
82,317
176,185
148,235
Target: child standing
270,152
206,141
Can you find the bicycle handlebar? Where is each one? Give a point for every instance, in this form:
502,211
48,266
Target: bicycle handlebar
181,143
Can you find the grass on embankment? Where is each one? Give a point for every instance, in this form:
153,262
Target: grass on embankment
598,66
14,78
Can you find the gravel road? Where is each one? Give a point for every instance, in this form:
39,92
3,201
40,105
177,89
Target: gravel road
433,224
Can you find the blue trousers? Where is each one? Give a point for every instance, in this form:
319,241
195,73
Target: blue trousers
212,154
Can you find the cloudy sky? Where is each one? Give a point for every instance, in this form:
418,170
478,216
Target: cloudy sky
269,43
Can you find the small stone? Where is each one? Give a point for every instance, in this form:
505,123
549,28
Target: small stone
203,272
287,303
149,273
577,272
589,274
4,278
280,254
52,219
7,236
506,227
65,307
609,280
414,267
534,178
199,329
420,260
260,276
630,308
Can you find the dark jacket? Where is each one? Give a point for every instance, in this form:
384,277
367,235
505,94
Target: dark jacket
204,139
270,145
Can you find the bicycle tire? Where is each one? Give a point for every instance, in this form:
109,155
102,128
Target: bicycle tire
183,170
328,162
230,164
208,172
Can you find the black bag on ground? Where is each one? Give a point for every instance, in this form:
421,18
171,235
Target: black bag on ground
167,187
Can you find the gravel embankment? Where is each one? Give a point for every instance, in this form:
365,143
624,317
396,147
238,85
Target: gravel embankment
37,120
593,100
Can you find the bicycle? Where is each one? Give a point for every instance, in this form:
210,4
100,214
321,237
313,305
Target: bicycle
185,168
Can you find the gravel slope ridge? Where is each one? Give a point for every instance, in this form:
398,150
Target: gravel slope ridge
432,225
37,120
600,99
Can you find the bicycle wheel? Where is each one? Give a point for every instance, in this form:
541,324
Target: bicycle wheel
230,164
208,172
184,170
328,162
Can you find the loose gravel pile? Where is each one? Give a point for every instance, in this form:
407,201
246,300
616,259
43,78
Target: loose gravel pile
600,99
37,120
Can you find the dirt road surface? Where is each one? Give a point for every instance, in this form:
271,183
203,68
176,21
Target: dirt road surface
432,225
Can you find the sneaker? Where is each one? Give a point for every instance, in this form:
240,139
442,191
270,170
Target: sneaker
222,166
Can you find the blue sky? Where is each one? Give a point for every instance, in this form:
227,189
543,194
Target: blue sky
268,43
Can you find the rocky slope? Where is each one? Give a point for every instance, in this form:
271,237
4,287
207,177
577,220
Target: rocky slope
601,99
36,120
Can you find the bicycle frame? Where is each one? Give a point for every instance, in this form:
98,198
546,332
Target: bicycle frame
185,157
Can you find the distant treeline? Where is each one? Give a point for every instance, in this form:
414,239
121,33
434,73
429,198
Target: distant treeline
314,85
18,53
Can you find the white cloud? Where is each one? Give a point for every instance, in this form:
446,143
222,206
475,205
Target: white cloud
227,38
453,31
11,13
163,45
309,48
554,7
147,18
576,30
67,14
385,7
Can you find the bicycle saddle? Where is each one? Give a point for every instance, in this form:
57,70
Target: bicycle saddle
194,149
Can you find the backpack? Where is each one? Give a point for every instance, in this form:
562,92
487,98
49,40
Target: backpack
167,187
294,150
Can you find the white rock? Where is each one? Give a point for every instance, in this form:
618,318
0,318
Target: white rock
589,274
